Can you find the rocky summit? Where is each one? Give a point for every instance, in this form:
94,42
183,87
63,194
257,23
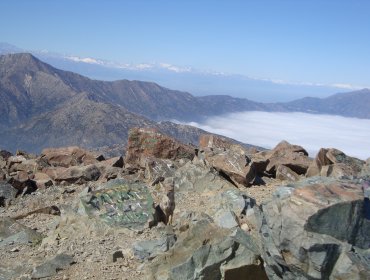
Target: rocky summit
169,210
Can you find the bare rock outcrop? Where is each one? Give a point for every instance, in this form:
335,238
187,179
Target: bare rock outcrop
334,163
68,156
310,229
284,162
148,142
232,165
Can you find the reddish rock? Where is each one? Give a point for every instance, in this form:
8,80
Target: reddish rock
42,180
260,161
79,174
233,165
293,156
22,176
334,163
13,162
53,172
41,176
147,142
113,162
68,156
44,184
284,173
214,141
29,165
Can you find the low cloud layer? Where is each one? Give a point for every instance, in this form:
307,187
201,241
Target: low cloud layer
313,132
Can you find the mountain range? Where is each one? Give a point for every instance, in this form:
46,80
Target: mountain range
198,82
43,106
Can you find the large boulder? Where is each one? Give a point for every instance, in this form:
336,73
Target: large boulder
293,156
158,169
309,226
334,163
110,168
68,156
42,180
285,162
79,174
198,178
113,162
29,166
206,251
232,165
148,142
284,173
53,172
214,141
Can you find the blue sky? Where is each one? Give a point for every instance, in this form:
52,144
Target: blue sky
323,41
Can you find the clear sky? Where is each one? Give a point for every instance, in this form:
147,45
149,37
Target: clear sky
318,41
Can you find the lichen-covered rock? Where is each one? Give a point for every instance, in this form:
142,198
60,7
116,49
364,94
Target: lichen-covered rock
120,203
206,251
309,224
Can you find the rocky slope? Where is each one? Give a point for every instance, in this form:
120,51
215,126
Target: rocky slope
240,213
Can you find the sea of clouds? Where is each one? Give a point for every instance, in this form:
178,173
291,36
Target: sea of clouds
350,135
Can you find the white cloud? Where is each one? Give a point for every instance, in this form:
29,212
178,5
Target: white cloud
313,132
84,59
174,68
143,66
347,86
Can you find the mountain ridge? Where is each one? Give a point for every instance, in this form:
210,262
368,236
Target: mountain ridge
198,82
43,106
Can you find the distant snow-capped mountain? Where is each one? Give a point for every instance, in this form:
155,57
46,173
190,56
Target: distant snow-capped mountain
188,79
